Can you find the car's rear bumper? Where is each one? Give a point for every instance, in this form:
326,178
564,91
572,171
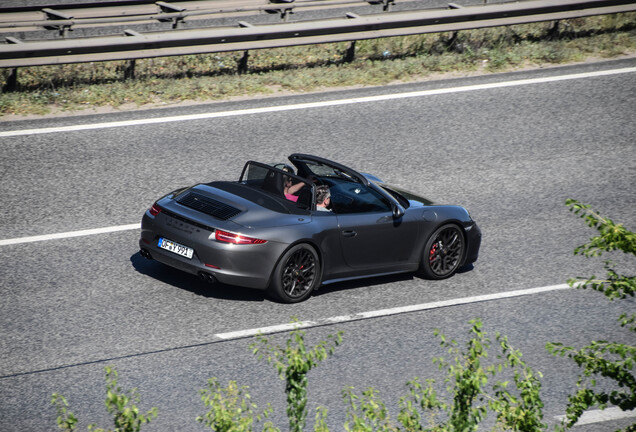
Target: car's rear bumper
243,265
195,267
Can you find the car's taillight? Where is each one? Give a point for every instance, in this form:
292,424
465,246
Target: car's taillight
155,210
227,237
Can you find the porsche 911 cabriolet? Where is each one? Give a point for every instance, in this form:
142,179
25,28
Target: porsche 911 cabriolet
267,231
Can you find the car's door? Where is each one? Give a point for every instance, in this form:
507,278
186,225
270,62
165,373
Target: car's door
369,234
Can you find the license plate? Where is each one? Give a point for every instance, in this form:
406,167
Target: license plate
174,247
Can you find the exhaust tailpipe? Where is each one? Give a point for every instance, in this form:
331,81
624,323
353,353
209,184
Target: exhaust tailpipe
145,253
207,277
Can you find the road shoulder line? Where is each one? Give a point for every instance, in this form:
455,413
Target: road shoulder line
310,105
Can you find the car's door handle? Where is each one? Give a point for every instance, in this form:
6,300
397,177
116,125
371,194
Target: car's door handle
349,233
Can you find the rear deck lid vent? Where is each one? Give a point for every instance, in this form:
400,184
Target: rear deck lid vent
208,206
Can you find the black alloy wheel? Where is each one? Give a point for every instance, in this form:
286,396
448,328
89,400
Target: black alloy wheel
296,275
443,252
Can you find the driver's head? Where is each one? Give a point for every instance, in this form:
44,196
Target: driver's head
322,194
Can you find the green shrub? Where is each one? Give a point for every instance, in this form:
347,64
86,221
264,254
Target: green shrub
293,362
65,420
231,409
120,404
472,394
610,360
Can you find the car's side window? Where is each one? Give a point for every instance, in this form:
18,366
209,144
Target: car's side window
357,198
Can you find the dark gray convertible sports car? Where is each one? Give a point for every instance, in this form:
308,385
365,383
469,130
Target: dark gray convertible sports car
267,231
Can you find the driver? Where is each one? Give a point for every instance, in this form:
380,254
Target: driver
323,198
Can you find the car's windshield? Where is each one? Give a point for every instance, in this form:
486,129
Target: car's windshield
312,169
352,197
404,202
402,194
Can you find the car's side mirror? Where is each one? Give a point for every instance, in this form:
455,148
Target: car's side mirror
398,211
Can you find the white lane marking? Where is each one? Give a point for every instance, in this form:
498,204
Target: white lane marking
315,104
599,416
589,417
387,312
280,328
69,234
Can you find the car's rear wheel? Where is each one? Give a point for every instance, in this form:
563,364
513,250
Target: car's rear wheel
296,275
443,252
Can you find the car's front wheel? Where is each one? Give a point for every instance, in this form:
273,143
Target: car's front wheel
443,252
296,274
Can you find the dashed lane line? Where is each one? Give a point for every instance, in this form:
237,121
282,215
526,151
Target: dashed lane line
282,328
387,312
600,416
69,234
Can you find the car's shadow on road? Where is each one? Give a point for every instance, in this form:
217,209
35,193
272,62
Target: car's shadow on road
192,283
376,280
195,285
362,283
466,268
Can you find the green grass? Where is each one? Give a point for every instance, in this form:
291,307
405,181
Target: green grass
50,89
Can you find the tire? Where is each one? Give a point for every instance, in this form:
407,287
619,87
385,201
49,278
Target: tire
296,275
443,252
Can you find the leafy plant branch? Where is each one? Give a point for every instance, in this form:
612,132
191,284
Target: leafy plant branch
612,361
293,362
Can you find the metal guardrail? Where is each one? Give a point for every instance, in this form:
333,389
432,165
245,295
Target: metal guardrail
104,14
248,37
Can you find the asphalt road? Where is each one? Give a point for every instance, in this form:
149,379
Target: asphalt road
510,154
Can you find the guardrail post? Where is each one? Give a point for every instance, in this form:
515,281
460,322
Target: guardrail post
242,63
57,15
554,31
454,35
350,53
12,81
129,69
170,8
284,12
